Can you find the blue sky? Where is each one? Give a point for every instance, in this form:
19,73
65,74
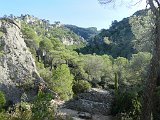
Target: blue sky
83,13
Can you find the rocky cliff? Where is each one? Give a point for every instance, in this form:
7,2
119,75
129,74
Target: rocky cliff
18,75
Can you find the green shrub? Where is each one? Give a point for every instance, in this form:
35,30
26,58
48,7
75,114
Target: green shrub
46,74
28,33
4,116
80,86
20,111
1,34
39,65
2,100
1,47
1,53
62,81
127,105
42,108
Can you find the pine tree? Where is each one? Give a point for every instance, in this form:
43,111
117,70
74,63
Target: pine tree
62,82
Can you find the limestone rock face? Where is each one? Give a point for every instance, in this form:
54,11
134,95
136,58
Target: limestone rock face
70,41
18,75
67,41
95,101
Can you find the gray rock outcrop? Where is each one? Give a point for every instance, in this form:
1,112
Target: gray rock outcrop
70,41
67,41
19,78
95,101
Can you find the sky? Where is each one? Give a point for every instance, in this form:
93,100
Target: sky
83,13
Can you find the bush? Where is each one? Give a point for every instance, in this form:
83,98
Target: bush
127,105
1,34
62,81
46,74
2,100
4,116
42,108
28,33
20,111
80,86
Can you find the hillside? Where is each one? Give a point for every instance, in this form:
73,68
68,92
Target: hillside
43,28
100,73
125,37
86,33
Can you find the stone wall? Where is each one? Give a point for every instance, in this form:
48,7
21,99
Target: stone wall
94,101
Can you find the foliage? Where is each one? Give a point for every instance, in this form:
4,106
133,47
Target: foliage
29,33
57,45
138,66
62,81
143,26
41,107
93,65
116,84
1,34
51,31
80,86
46,74
120,62
120,68
46,44
1,48
124,38
2,100
4,116
86,33
128,105
118,43
20,111
31,39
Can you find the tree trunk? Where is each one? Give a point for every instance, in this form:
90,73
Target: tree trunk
156,107
148,95
156,101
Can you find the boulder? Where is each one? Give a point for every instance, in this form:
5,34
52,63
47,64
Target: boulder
84,115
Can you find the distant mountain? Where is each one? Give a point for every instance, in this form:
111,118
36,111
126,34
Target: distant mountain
86,33
123,38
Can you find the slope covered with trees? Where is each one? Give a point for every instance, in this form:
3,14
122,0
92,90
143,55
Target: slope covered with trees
125,37
71,60
86,33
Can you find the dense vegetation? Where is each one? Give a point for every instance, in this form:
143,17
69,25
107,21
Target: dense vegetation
124,38
86,33
116,58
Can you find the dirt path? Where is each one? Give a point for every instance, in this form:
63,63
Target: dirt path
75,115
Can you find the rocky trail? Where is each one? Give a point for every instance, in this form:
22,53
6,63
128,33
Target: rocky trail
94,104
